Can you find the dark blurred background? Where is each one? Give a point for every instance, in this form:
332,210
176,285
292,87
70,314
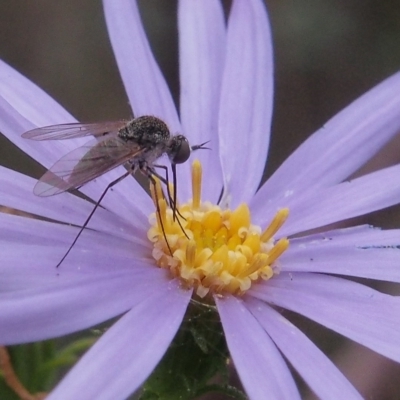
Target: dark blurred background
327,53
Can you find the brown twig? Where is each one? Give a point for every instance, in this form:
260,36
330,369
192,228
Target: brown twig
12,380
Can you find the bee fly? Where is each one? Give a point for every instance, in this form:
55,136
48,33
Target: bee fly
136,144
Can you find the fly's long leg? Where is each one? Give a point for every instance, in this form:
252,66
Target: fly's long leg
175,184
165,180
150,173
172,200
91,214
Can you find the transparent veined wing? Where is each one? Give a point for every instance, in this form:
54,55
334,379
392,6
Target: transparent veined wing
75,130
84,164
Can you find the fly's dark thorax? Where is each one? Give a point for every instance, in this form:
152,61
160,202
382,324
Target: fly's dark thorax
148,132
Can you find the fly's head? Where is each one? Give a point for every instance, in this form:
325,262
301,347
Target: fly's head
178,149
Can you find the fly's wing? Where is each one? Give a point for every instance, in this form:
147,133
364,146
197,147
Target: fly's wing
85,164
74,130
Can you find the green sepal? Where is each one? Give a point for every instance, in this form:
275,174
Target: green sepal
197,361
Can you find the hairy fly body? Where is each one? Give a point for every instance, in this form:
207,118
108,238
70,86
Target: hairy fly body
136,144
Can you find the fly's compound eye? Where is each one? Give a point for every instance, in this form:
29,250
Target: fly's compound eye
182,150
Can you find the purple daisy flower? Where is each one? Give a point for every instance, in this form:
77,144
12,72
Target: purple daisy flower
226,97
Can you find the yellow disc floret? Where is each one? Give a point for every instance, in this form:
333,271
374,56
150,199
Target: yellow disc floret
211,249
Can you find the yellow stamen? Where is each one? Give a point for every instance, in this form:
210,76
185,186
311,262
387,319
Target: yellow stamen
196,183
280,247
239,218
162,215
276,224
220,251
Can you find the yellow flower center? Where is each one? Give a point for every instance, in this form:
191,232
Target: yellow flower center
211,249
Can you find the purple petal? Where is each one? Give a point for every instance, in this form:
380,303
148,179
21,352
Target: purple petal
43,259
201,60
129,351
24,230
361,235
360,196
31,250
317,370
261,368
94,255
146,87
246,100
341,146
371,253
353,310
69,302
18,272
17,193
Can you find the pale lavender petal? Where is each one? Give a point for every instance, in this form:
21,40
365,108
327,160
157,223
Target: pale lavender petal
81,260
146,87
246,100
19,227
58,237
31,252
356,311
19,273
201,62
32,249
128,352
360,196
16,192
316,369
69,302
371,253
361,235
259,364
341,146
